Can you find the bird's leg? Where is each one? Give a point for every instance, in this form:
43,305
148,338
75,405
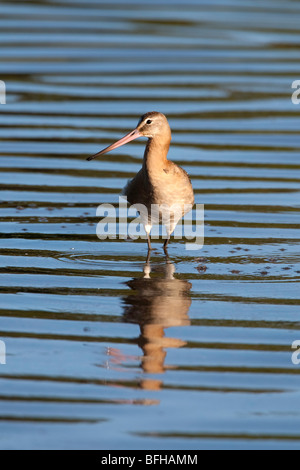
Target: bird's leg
170,229
148,257
166,245
149,243
148,228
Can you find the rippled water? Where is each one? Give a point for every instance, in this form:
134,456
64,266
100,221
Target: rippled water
101,353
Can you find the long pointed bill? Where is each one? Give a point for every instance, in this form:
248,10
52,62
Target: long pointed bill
128,138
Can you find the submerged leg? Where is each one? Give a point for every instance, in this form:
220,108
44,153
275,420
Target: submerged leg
148,257
167,256
147,267
170,227
166,245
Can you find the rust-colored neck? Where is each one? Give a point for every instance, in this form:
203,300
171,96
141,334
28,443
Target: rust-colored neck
155,156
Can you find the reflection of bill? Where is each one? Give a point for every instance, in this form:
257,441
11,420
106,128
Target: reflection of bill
2,353
155,304
2,92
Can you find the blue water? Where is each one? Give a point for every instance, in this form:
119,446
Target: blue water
101,353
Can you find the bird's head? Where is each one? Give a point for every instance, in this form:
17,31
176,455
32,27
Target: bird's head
151,125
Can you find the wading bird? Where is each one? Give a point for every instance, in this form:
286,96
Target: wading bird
160,183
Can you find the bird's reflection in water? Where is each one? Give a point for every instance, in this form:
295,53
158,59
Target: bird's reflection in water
158,301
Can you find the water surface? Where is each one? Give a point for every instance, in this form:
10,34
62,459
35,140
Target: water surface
105,350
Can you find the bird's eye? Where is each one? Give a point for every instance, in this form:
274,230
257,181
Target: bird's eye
149,121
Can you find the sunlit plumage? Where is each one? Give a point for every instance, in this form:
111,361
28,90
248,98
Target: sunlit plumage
160,181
